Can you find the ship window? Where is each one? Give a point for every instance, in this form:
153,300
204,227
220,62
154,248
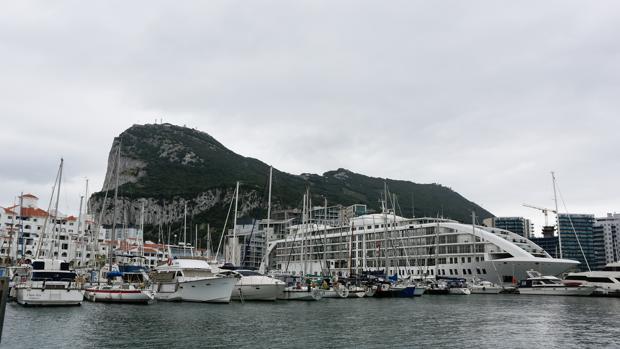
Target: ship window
39,265
600,279
576,277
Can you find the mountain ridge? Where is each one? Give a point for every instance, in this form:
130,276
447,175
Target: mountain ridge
166,165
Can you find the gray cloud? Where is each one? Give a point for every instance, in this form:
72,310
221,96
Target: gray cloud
484,97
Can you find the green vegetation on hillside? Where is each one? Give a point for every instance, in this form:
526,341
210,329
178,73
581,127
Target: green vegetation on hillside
164,147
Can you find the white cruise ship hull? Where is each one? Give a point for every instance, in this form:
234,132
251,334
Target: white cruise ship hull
257,292
40,296
211,290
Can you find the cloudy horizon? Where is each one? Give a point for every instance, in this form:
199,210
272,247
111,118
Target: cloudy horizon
486,98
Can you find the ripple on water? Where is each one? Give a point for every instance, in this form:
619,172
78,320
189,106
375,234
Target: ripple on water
498,321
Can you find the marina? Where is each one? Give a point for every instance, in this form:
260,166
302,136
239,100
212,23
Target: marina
309,174
483,321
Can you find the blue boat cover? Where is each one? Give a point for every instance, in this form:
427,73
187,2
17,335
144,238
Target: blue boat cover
114,274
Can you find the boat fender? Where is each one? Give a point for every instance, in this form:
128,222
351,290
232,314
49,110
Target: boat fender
385,287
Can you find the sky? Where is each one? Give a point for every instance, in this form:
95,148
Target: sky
485,97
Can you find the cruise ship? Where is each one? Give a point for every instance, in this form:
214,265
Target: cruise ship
411,247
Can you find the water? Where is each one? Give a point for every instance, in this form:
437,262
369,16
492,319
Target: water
487,321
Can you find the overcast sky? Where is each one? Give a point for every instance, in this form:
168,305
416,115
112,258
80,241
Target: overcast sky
484,97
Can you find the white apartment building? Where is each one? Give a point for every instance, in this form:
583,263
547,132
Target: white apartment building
21,233
611,235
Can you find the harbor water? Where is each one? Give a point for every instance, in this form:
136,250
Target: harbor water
483,321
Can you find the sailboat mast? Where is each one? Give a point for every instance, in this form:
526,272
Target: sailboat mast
57,201
80,235
141,242
385,245
113,235
557,213
303,224
234,242
84,227
351,247
325,238
209,252
436,249
268,220
20,234
184,228
473,231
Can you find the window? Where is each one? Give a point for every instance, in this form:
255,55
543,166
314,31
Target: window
469,271
600,279
477,270
464,272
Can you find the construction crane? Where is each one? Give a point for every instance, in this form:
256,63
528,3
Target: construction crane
545,211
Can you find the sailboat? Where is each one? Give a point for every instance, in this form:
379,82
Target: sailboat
48,281
118,290
298,287
252,285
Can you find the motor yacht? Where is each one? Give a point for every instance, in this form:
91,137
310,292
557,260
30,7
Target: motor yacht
254,286
479,286
48,282
537,284
191,280
606,281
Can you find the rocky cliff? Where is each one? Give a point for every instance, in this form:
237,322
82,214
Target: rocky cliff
165,167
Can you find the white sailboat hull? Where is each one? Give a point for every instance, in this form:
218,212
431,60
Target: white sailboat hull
341,292
293,294
357,292
419,291
459,291
257,292
485,289
119,295
211,290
